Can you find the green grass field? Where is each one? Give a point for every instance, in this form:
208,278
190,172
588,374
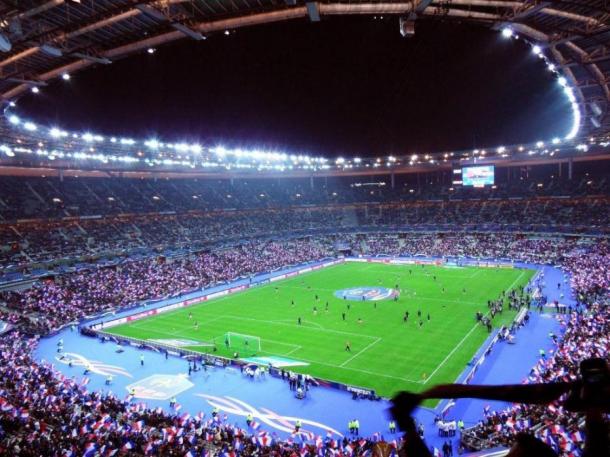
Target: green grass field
387,354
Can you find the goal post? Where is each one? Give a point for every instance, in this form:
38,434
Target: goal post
242,342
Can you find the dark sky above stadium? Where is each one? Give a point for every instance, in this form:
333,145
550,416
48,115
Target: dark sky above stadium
345,86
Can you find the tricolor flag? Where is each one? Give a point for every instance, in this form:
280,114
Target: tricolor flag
89,450
319,442
264,439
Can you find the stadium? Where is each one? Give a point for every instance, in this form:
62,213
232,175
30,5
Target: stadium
298,228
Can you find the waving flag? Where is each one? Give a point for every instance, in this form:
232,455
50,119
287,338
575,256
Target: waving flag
264,439
89,450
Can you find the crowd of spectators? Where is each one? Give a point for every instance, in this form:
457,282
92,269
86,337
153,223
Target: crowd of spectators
50,220
590,272
222,231
31,244
44,413
52,197
53,302
42,410
586,334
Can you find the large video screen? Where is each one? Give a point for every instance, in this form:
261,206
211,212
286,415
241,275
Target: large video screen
478,176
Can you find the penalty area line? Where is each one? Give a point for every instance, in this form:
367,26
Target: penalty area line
360,352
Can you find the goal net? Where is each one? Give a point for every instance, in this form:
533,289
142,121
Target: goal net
242,342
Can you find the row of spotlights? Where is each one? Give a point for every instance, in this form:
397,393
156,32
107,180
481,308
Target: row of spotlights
36,89
507,32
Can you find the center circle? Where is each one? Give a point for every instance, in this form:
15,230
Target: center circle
366,293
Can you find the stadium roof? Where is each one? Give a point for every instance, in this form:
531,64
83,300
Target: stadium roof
44,40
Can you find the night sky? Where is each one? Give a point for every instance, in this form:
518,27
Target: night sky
345,86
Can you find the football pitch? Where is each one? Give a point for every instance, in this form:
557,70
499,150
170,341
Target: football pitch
387,354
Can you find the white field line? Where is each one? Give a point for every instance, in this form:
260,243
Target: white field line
360,352
322,329
374,373
293,351
179,323
321,363
290,321
465,337
219,299
411,296
295,347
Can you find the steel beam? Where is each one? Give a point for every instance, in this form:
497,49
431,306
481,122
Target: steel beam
187,31
40,9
